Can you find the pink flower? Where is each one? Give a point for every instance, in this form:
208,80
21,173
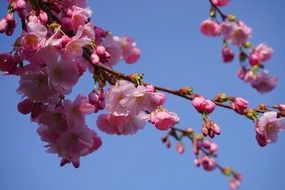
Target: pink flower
228,54
35,38
130,52
235,181
117,96
263,82
35,85
63,75
74,48
121,124
63,128
76,143
235,32
163,119
155,99
113,47
220,2
70,143
267,128
249,76
239,104
211,146
75,111
260,54
207,163
80,16
210,28
203,105
124,98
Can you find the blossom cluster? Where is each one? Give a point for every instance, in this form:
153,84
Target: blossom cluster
59,44
205,152
129,108
236,33
48,59
56,47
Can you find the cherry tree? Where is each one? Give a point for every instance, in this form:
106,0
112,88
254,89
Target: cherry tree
58,43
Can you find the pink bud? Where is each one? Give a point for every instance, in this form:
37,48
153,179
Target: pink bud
7,62
216,128
93,98
95,59
180,147
228,54
168,143
210,28
43,16
100,51
25,106
239,105
203,105
134,56
20,4
205,131
3,25
254,60
210,128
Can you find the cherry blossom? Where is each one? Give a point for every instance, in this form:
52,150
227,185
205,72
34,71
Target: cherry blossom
121,124
260,54
203,105
267,128
163,119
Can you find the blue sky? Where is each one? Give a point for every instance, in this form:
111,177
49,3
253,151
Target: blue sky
174,54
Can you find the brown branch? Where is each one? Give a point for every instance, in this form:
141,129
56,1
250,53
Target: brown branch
224,16
120,75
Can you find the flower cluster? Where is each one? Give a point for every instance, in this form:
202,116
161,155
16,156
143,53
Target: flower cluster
205,152
129,107
49,59
59,43
236,33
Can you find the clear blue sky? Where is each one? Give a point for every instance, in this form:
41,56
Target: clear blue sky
174,54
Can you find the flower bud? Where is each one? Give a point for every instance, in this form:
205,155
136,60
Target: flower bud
239,105
180,147
228,55
25,106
